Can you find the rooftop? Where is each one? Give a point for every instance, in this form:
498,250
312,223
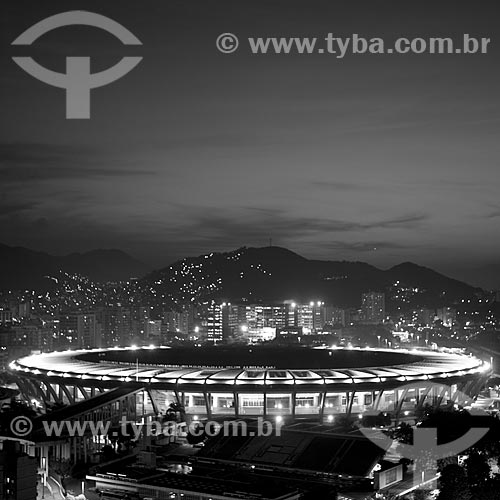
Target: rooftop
248,365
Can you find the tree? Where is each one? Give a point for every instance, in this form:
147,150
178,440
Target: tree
108,453
488,492
62,468
478,470
421,494
196,434
175,412
345,422
382,419
453,484
403,433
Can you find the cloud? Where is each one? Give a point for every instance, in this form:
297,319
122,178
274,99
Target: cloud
12,208
187,230
340,186
32,162
209,226
406,222
365,246
493,214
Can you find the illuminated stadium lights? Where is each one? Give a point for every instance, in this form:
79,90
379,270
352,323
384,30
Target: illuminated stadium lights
248,382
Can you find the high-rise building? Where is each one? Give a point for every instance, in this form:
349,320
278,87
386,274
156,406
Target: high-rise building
424,317
234,320
4,353
153,329
179,321
5,315
78,330
139,319
305,317
311,317
319,316
211,320
115,323
25,309
447,315
274,316
87,337
239,319
262,316
50,333
335,316
373,307
68,330
291,319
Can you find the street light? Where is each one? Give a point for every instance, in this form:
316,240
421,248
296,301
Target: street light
44,475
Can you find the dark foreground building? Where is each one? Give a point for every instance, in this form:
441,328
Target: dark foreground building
18,472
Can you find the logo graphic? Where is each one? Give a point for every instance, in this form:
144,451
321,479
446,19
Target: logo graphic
21,426
425,450
78,80
227,43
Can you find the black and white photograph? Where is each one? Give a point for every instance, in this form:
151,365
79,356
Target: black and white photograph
249,250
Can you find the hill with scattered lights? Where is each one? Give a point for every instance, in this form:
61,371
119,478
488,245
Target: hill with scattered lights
245,275
275,274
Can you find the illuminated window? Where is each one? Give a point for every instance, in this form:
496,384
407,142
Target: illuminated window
304,402
252,402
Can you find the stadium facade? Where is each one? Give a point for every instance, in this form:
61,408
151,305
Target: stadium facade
256,381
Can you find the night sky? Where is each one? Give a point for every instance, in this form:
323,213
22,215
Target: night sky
381,158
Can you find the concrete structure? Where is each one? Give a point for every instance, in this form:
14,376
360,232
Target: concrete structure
256,381
137,484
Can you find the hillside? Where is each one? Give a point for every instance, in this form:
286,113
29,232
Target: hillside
274,274
22,268
268,274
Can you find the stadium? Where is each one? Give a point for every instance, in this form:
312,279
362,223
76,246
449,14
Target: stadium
292,382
